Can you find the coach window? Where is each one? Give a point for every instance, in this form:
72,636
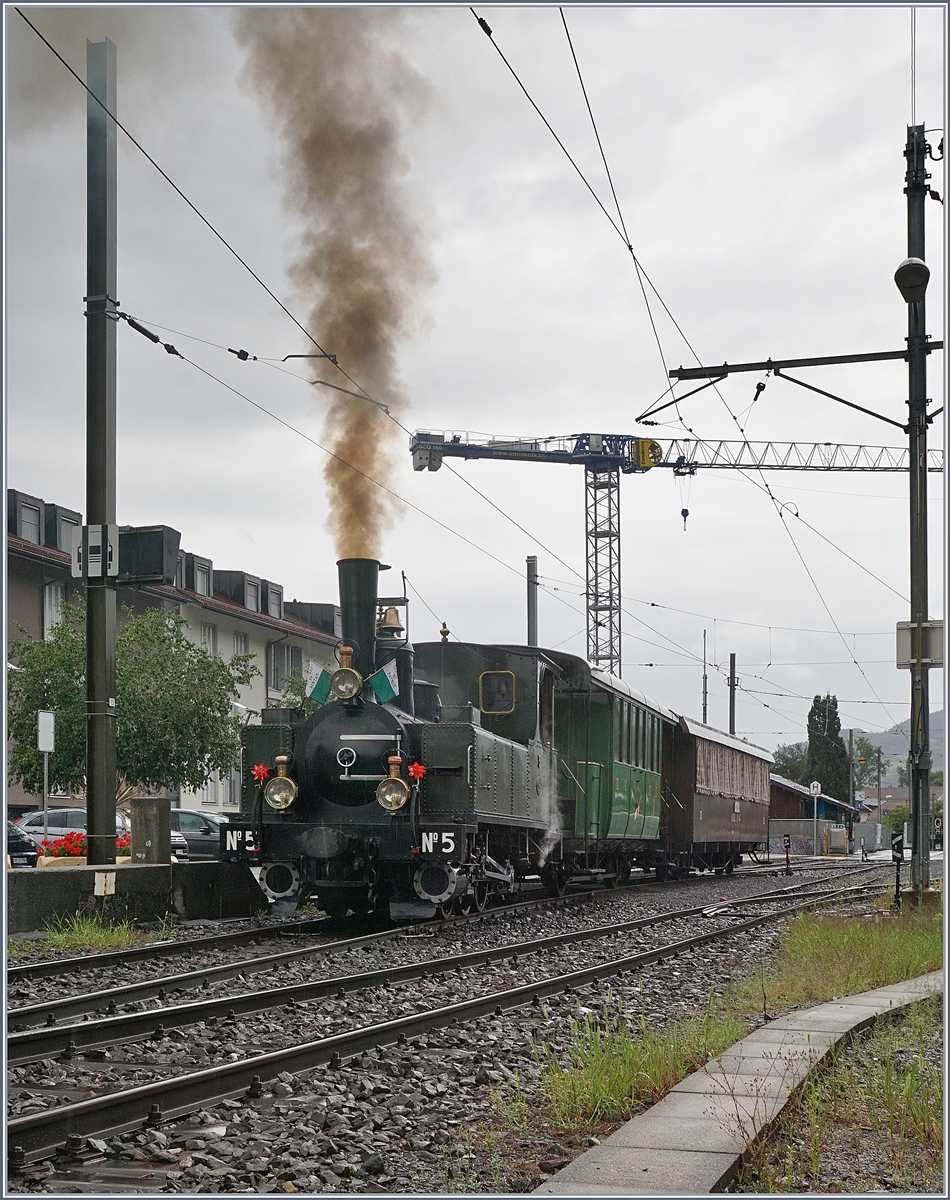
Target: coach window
496,692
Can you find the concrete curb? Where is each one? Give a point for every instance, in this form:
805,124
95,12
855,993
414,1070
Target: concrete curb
693,1141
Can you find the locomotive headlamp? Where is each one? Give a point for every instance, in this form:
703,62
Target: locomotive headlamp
393,792
345,682
281,791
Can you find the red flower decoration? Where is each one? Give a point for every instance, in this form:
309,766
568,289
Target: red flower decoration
261,772
417,770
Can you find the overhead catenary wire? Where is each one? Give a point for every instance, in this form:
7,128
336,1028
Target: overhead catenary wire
246,357
276,299
194,208
621,232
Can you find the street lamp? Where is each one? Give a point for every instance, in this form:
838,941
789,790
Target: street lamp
912,277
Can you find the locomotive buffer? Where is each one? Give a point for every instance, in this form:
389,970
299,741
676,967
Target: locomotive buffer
605,456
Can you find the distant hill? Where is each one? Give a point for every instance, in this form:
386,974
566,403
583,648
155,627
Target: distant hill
894,744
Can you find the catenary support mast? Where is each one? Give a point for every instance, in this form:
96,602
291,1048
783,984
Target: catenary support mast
916,191
100,449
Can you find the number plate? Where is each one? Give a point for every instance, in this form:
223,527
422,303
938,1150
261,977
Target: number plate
441,843
238,841
20,860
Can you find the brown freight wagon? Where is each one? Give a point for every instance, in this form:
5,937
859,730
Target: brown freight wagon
716,798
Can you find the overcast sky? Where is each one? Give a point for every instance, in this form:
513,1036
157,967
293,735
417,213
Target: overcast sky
757,154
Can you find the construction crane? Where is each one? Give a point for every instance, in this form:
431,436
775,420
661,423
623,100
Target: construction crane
605,456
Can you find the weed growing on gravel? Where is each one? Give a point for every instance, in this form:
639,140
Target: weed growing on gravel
83,932
511,1110
821,958
617,1066
872,1115
458,1172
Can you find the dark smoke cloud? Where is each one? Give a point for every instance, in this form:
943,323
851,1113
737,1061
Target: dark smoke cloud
340,94
156,47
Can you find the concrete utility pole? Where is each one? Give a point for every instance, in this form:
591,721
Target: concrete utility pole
851,767
532,562
733,683
101,302
916,192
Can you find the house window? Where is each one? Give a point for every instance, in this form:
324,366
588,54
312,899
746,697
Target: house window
202,580
240,643
30,523
274,602
54,595
252,596
234,789
208,796
209,638
66,527
284,661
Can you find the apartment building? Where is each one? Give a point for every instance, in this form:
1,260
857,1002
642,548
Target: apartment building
227,612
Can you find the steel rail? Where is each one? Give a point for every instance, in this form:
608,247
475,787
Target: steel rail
150,989
65,966
39,1134
117,958
66,1040
47,968
46,1041
51,1011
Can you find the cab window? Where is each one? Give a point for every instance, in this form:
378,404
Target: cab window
496,692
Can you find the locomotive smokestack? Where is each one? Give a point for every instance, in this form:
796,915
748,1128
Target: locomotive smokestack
359,585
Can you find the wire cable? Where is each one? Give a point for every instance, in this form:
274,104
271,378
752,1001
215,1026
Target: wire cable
194,208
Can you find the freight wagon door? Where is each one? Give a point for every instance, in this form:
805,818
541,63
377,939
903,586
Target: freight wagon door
589,798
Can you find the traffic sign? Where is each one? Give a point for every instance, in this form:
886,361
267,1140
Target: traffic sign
815,788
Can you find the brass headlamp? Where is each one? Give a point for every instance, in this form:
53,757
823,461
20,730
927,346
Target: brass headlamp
393,792
281,791
346,683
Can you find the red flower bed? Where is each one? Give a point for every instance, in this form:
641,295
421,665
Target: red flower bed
73,845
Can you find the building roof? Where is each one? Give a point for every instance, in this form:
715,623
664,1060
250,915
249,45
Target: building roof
288,625
789,783
698,729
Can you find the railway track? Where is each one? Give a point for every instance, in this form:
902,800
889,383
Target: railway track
324,926
40,1134
107,1001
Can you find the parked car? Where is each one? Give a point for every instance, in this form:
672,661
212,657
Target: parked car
200,830
20,849
69,820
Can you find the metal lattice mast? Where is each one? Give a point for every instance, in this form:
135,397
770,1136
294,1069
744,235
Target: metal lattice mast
602,496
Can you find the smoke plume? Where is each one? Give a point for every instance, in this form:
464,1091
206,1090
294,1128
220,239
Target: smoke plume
158,48
340,94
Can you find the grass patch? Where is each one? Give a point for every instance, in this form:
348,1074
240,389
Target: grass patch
83,932
616,1067
823,957
871,1116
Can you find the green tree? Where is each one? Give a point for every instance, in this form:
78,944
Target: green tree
791,761
175,726
896,818
827,754
865,773
936,778
903,775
